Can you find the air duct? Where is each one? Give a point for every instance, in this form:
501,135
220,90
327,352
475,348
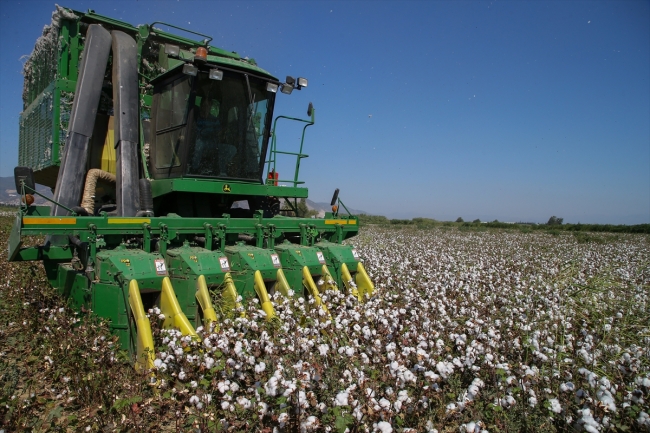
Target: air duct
125,108
70,180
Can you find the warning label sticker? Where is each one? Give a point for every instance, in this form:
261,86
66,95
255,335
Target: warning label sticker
161,269
355,254
225,266
321,257
276,260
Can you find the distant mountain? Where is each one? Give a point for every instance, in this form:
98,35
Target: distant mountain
9,195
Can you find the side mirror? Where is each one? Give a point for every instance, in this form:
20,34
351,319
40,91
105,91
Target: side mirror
310,109
26,175
335,197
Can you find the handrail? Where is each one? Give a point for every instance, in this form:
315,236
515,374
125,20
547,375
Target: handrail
206,41
272,161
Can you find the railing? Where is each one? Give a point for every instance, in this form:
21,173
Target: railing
274,152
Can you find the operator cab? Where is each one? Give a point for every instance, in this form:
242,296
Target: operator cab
210,123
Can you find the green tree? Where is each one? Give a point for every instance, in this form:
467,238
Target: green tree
460,220
476,221
554,221
303,209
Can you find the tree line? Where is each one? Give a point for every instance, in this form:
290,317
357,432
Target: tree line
554,224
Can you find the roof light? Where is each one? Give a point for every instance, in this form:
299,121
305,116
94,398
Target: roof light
291,80
189,69
302,82
216,74
201,55
287,89
172,50
272,87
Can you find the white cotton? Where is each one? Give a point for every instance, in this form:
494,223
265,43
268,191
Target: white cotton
445,369
566,387
223,386
555,405
244,402
271,387
431,376
341,399
470,427
382,427
262,408
643,419
607,399
588,422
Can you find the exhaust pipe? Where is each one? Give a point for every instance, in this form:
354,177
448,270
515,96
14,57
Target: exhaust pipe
125,108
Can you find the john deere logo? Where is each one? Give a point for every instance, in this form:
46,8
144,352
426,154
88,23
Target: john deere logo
226,188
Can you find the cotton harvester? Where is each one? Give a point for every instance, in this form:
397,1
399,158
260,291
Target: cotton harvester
162,153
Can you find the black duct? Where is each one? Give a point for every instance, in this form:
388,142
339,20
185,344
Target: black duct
125,107
70,181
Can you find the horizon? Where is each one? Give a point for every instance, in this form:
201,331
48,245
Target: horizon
515,111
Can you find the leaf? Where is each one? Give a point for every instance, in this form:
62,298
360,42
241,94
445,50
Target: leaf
55,413
343,422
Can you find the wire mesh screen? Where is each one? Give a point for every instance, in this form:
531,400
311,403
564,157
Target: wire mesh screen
35,137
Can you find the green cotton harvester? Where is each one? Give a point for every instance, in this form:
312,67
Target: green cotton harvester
161,152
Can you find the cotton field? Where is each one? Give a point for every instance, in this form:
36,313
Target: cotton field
469,331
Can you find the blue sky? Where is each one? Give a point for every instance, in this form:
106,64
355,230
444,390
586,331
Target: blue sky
483,109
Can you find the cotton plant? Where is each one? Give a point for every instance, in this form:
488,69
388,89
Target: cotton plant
513,323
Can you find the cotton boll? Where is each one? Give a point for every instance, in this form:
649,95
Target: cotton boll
382,427
555,405
341,399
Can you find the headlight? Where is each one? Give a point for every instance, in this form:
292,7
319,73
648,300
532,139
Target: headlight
190,70
216,74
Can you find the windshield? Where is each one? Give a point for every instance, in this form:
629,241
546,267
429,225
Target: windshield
229,125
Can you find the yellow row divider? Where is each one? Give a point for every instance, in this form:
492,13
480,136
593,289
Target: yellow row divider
365,285
203,297
230,294
260,288
174,316
308,282
282,284
145,348
361,285
328,281
348,281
